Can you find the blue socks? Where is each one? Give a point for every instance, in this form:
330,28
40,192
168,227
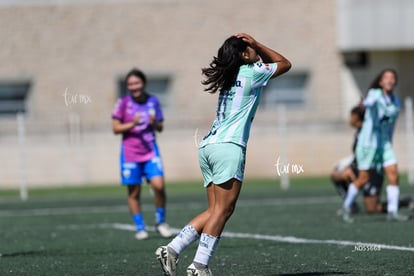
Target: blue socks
139,219
139,222
159,215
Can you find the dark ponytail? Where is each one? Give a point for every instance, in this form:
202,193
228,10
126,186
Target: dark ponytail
222,72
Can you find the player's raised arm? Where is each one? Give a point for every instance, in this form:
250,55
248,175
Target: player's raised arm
371,99
267,54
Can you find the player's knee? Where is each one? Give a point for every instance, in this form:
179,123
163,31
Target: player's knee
393,177
157,184
134,197
362,179
158,189
227,211
160,194
392,174
365,178
209,211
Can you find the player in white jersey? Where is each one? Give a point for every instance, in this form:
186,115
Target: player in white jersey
375,143
243,66
346,171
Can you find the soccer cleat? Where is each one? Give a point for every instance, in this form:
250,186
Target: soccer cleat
405,201
164,230
141,235
346,216
397,217
168,261
354,210
193,271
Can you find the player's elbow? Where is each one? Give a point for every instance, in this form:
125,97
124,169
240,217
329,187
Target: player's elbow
282,67
116,130
286,65
116,127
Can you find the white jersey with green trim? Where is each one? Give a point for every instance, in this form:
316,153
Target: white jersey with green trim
237,107
381,113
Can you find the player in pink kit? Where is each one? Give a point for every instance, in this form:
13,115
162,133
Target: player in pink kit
137,116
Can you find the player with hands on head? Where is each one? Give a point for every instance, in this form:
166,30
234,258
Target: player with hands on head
242,67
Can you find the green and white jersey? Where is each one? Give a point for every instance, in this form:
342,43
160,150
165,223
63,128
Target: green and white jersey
237,107
381,113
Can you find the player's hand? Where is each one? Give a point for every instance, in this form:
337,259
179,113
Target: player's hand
361,103
152,119
137,118
248,39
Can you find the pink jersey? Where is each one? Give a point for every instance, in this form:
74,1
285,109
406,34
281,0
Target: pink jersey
138,143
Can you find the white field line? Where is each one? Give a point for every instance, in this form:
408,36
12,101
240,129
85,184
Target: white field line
171,206
276,238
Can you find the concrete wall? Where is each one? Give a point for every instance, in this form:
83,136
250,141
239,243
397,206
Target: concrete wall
375,24
85,48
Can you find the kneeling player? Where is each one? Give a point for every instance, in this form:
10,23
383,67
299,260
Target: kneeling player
346,171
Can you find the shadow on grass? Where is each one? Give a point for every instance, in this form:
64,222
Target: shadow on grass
23,254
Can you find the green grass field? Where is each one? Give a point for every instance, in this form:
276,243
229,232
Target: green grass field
87,231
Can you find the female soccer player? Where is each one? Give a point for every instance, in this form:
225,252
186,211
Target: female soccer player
137,116
239,75
375,143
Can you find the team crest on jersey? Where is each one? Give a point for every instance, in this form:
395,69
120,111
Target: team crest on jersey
126,173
